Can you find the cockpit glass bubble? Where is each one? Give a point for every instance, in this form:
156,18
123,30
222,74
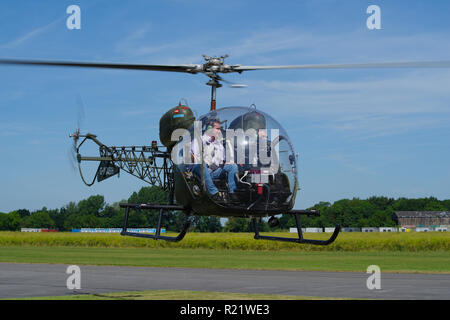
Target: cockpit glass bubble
241,157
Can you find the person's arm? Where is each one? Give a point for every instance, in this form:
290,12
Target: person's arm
195,152
228,147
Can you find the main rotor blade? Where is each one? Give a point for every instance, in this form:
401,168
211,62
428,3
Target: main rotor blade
196,68
416,64
173,68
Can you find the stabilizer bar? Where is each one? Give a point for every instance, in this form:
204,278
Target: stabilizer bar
157,235
300,238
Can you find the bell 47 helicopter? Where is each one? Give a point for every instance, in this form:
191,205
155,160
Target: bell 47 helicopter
230,162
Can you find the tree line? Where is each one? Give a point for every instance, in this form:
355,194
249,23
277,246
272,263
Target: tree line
94,212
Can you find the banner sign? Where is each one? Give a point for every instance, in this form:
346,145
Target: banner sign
117,230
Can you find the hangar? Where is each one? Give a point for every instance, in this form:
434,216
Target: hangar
415,219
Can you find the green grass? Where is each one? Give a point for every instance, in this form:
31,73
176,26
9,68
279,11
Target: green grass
393,252
178,295
412,262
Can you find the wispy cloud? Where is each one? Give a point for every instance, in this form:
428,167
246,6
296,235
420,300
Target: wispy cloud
369,127
30,35
138,112
13,129
360,103
290,45
422,91
362,108
141,45
348,162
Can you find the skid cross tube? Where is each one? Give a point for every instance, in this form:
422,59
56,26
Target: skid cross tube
157,235
300,238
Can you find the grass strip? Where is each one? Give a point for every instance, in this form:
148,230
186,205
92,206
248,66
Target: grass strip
177,295
355,242
388,261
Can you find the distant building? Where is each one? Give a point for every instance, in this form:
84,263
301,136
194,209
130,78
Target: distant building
351,229
388,229
423,229
422,218
369,229
315,230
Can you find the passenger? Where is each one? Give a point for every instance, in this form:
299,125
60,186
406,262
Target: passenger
214,162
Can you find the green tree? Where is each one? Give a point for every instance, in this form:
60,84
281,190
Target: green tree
171,221
137,218
381,203
153,194
75,221
244,225
71,208
39,219
434,205
381,219
89,221
236,225
446,204
93,205
419,204
3,221
13,221
109,211
23,213
116,221
286,222
72,222
207,224
58,216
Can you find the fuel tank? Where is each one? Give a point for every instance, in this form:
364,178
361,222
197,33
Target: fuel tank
180,116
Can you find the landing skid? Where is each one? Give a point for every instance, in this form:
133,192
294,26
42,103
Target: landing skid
157,235
300,238
162,208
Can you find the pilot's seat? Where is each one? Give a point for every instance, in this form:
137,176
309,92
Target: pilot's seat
220,183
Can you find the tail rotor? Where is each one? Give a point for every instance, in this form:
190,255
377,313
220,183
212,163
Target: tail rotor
73,151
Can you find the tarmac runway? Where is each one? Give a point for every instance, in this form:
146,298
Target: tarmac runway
37,280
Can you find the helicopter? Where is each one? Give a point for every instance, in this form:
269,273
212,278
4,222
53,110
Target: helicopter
264,177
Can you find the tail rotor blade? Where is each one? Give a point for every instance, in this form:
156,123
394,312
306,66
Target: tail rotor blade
80,112
73,151
72,157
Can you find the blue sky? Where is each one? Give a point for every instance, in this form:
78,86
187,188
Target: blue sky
359,133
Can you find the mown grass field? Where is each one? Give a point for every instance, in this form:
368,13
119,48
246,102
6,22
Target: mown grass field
179,295
405,262
393,252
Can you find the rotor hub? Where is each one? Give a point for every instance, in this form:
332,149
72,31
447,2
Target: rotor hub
214,65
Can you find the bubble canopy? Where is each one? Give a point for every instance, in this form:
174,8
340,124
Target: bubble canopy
239,157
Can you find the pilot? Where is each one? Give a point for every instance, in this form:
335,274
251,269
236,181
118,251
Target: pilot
253,120
215,166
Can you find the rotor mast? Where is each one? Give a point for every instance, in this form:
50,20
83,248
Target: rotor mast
212,66
214,85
